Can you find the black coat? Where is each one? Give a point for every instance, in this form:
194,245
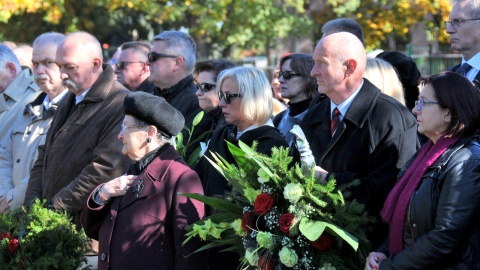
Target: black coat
266,136
443,218
376,137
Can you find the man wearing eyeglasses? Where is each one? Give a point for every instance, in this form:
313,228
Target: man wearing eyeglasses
171,62
81,150
131,67
464,30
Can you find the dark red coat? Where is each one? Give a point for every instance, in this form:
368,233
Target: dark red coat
147,232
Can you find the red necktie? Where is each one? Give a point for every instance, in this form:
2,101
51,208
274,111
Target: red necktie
335,120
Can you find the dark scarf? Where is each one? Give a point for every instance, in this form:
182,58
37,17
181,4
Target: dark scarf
138,166
299,107
395,209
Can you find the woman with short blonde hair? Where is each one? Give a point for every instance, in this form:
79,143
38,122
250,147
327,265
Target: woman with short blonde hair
384,76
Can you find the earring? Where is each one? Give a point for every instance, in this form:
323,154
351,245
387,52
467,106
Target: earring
149,140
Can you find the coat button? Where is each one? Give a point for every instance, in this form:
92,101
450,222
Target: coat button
104,256
18,160
29,132
111,218
414,225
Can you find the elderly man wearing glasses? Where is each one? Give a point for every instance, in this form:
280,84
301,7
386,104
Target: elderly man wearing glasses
464,30
171,62
131,67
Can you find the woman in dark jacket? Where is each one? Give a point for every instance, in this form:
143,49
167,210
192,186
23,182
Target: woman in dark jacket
299,88
139,218
433,211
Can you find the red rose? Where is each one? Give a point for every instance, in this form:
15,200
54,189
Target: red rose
5,235
247,221
13,245
285,221
264,263
263,203
323,242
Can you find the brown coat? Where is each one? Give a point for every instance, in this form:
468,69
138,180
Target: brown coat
147,231
81,149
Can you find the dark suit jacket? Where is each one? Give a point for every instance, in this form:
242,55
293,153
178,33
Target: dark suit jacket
147,232
476,81
374,140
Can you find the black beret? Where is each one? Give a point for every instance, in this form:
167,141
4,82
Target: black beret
154,110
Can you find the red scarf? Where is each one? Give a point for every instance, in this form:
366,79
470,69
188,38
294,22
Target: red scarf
395,209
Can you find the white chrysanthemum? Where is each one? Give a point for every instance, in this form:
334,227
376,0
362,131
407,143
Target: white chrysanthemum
262,176
265,239
288,257
293,192
252,257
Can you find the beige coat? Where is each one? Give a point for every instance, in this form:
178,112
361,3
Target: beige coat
18,150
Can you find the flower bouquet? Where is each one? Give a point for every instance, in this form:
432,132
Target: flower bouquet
39,238
278,216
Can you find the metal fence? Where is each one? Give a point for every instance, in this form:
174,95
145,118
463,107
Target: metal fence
433,64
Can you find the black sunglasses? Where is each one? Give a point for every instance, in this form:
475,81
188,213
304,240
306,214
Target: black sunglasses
121,65
288,74
227,97
205,87
154,56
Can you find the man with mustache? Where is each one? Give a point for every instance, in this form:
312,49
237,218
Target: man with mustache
81,149
17,88
18,150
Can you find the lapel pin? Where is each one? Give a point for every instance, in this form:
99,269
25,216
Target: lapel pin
138,188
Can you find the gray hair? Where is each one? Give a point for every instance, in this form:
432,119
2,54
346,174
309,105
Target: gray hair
160,137
48,37
253,85
139,47
474,7
343,25
88,42
7,56
179,43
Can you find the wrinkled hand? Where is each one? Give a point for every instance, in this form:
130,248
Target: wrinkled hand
373,260
117,187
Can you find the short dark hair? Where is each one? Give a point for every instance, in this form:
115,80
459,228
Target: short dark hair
140,47
303,64
343,25
215,66
460,96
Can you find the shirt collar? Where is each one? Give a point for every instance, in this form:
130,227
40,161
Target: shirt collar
254,126
343,107
47,102
79,99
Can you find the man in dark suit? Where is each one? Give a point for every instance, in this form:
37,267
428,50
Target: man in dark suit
464,30
370,135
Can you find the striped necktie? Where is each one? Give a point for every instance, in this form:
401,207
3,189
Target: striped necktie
335,120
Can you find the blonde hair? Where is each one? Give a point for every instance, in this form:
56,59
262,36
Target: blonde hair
253,85
384,76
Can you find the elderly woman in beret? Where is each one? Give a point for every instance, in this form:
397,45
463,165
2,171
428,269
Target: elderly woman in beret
139,218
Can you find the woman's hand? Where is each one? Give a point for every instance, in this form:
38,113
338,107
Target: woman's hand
374,259
116,187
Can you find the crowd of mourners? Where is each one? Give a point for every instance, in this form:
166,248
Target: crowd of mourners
97,140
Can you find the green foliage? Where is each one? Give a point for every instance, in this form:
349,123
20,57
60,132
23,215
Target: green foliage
317,210
183,146
46,240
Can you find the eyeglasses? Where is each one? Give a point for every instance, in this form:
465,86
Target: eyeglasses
457,22
205,87
420,103
127,127
288,74
227,97
154,56
121,65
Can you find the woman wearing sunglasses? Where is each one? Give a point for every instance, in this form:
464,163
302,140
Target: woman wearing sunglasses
206,73
433,211
299,87
246,103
